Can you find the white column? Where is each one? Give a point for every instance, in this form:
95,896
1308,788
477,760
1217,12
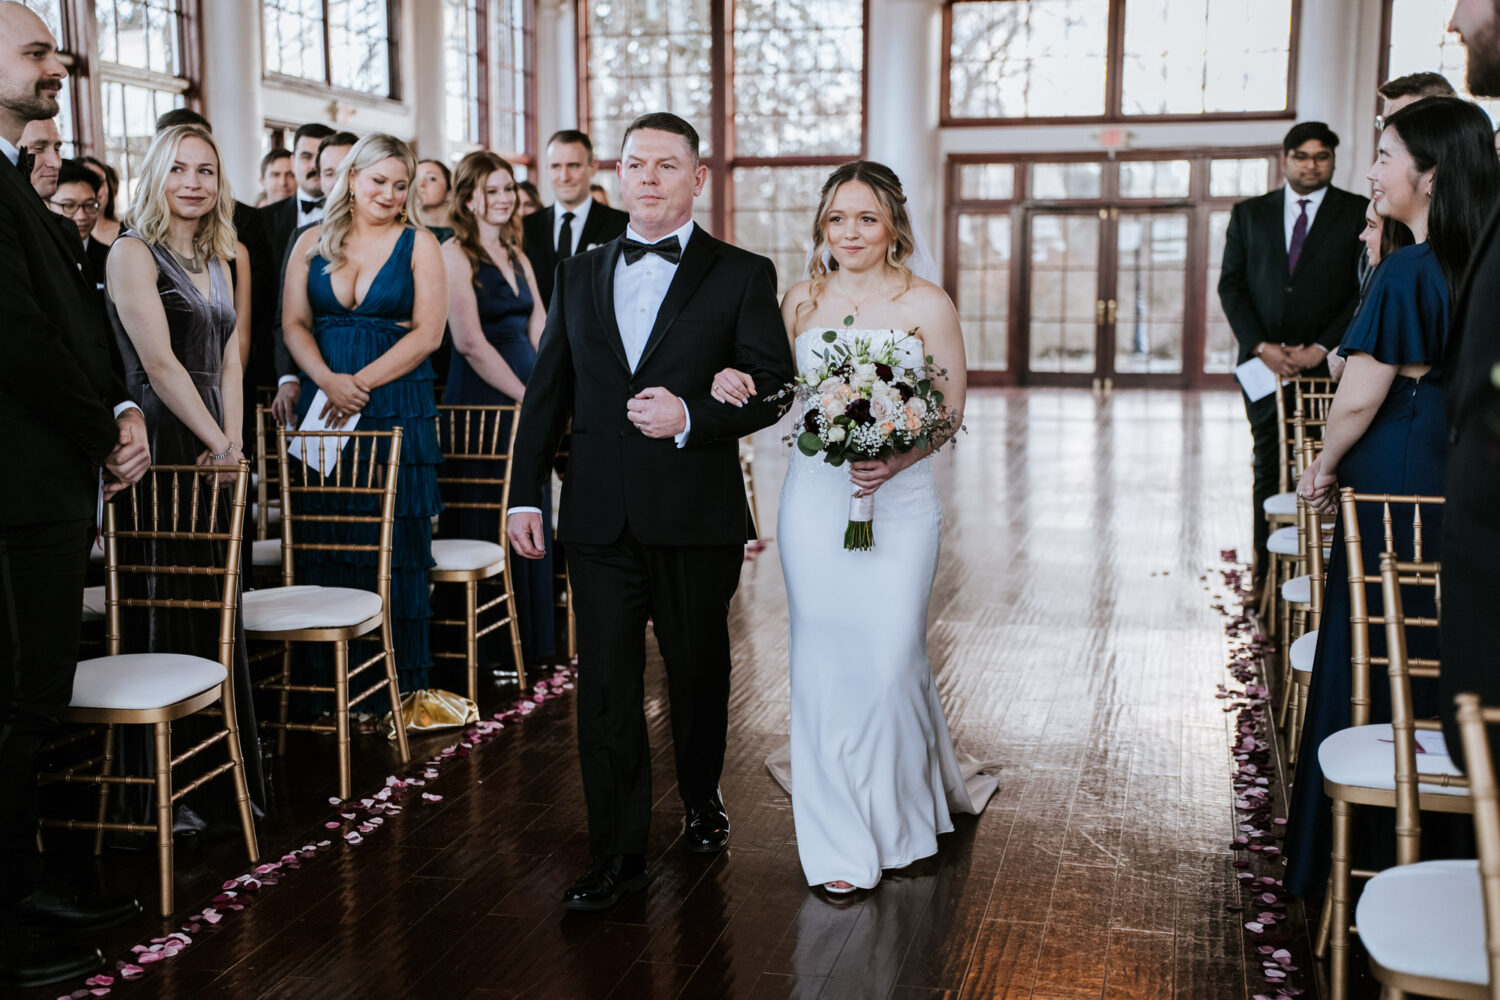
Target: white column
429,88
232,98
905,36
556,78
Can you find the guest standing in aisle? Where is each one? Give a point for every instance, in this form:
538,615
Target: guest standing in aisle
575,222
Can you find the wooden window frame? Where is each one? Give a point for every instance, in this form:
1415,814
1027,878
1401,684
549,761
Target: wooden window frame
721,164
326,86
1020,206
1113,83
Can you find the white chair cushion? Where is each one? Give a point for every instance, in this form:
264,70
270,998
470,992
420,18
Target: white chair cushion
1283,541
1426,919
1297,590
1365,757
1281,505
266,552
465,553
96,551
142,680
1301,653
273,514
93,604
284,609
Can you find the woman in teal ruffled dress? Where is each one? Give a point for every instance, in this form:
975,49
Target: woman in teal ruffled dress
364,306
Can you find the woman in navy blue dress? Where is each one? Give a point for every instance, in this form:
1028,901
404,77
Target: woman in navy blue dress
497,323
362,310
1435,171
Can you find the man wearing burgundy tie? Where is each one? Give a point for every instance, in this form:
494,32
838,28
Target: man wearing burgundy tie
1287,287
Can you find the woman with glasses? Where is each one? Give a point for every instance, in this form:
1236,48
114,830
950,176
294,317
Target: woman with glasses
77,198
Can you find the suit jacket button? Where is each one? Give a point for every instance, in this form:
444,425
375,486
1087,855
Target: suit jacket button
1289,288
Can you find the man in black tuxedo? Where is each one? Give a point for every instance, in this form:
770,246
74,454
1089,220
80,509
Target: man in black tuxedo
75,200
1287,287
1471,516
654,515
64,413
575,222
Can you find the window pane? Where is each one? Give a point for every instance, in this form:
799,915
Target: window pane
1155,179
984,269
987,181
293,32
1219,346
129,124
1057,181
773,215
143,34
1064,290
1202,56
461,84
1028,58
510,77
1239,178
813,49
646,55
1151,290
51,16
359,46
1420,41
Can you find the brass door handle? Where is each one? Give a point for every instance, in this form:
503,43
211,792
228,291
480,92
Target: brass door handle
1112,310
1099,310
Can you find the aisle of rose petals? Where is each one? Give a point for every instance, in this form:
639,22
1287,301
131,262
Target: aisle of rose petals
353,821
1259,830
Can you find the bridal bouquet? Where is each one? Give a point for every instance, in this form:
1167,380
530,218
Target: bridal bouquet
867,402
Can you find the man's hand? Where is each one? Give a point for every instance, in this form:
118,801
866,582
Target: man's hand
1278,360
1307,356
657,413
284,406
525,531
131,456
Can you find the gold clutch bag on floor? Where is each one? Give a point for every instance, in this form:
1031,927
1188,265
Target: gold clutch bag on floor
430,709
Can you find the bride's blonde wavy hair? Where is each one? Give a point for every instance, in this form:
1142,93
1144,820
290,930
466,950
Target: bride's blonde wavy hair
890,207
338,214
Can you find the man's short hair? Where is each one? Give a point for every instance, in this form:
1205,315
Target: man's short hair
312,130
1417,85
73,172
182,116
276,154
333,139
569,135
665,121
1303,131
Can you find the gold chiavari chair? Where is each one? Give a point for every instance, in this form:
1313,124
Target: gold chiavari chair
338,615
562,582
476,443
1360,766
265,550
1311,399
1302,608
747,472
182,510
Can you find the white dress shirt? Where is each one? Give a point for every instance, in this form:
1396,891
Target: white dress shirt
1293,210
580,216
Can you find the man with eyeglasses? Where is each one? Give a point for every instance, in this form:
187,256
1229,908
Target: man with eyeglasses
1287,287
77,200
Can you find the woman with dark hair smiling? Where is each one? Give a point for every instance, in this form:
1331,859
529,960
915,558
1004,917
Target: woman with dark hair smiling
1436,172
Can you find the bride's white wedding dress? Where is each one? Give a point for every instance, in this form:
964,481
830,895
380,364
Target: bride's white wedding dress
876,774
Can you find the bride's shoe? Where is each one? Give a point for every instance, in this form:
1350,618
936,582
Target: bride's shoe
835,889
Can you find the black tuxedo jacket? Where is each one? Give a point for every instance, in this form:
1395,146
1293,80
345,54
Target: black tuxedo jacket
97,255
1262,301
58,389
602,225
719,311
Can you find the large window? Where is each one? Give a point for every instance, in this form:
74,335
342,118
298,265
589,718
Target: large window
1417,39
1012,60
777,88
145,54
343,43
489,77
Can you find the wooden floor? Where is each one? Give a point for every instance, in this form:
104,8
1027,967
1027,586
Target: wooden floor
1073,641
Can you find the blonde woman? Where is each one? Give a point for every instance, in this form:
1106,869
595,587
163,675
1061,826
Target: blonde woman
364,305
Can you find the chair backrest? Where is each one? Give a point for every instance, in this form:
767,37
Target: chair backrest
1312,398
267,471
1287,457
1400,580
1405,543
318,491
1310,531
1473,722
476,442
183,513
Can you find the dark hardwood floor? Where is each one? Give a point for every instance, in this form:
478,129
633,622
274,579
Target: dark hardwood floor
1073,642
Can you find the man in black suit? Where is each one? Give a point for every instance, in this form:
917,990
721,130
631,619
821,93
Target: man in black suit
64,413
76,201
575,222
1287,287
1471,516
654,515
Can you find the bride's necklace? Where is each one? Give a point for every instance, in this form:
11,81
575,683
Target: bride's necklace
849,319
192,264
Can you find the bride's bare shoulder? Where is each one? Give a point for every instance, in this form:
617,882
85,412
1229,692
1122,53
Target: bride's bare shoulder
926,293
797,295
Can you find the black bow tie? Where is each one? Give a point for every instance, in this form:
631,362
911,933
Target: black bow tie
309,206
668,250
24,162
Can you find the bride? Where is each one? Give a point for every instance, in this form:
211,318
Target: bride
876,774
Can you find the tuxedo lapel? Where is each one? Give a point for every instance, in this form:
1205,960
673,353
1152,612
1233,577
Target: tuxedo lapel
697,258
604,300
1275,226
32,201
591,227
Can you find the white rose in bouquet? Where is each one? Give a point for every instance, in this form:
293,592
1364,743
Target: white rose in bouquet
881,407
829,385
836,433
832,406
917,407
864,374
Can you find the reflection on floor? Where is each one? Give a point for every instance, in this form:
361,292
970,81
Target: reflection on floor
1073,641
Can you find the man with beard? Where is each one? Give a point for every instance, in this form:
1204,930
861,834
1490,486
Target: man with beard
1471,517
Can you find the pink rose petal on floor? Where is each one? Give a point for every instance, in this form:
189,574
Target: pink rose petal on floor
430,797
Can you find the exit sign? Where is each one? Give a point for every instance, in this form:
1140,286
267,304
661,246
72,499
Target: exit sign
1114,138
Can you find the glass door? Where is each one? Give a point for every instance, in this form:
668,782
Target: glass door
1064,305
1146,311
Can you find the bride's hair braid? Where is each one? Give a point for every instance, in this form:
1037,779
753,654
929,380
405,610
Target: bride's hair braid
890,202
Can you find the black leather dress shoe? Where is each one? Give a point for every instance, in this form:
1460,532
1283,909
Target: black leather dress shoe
55,909
608,878
27,960
707,827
